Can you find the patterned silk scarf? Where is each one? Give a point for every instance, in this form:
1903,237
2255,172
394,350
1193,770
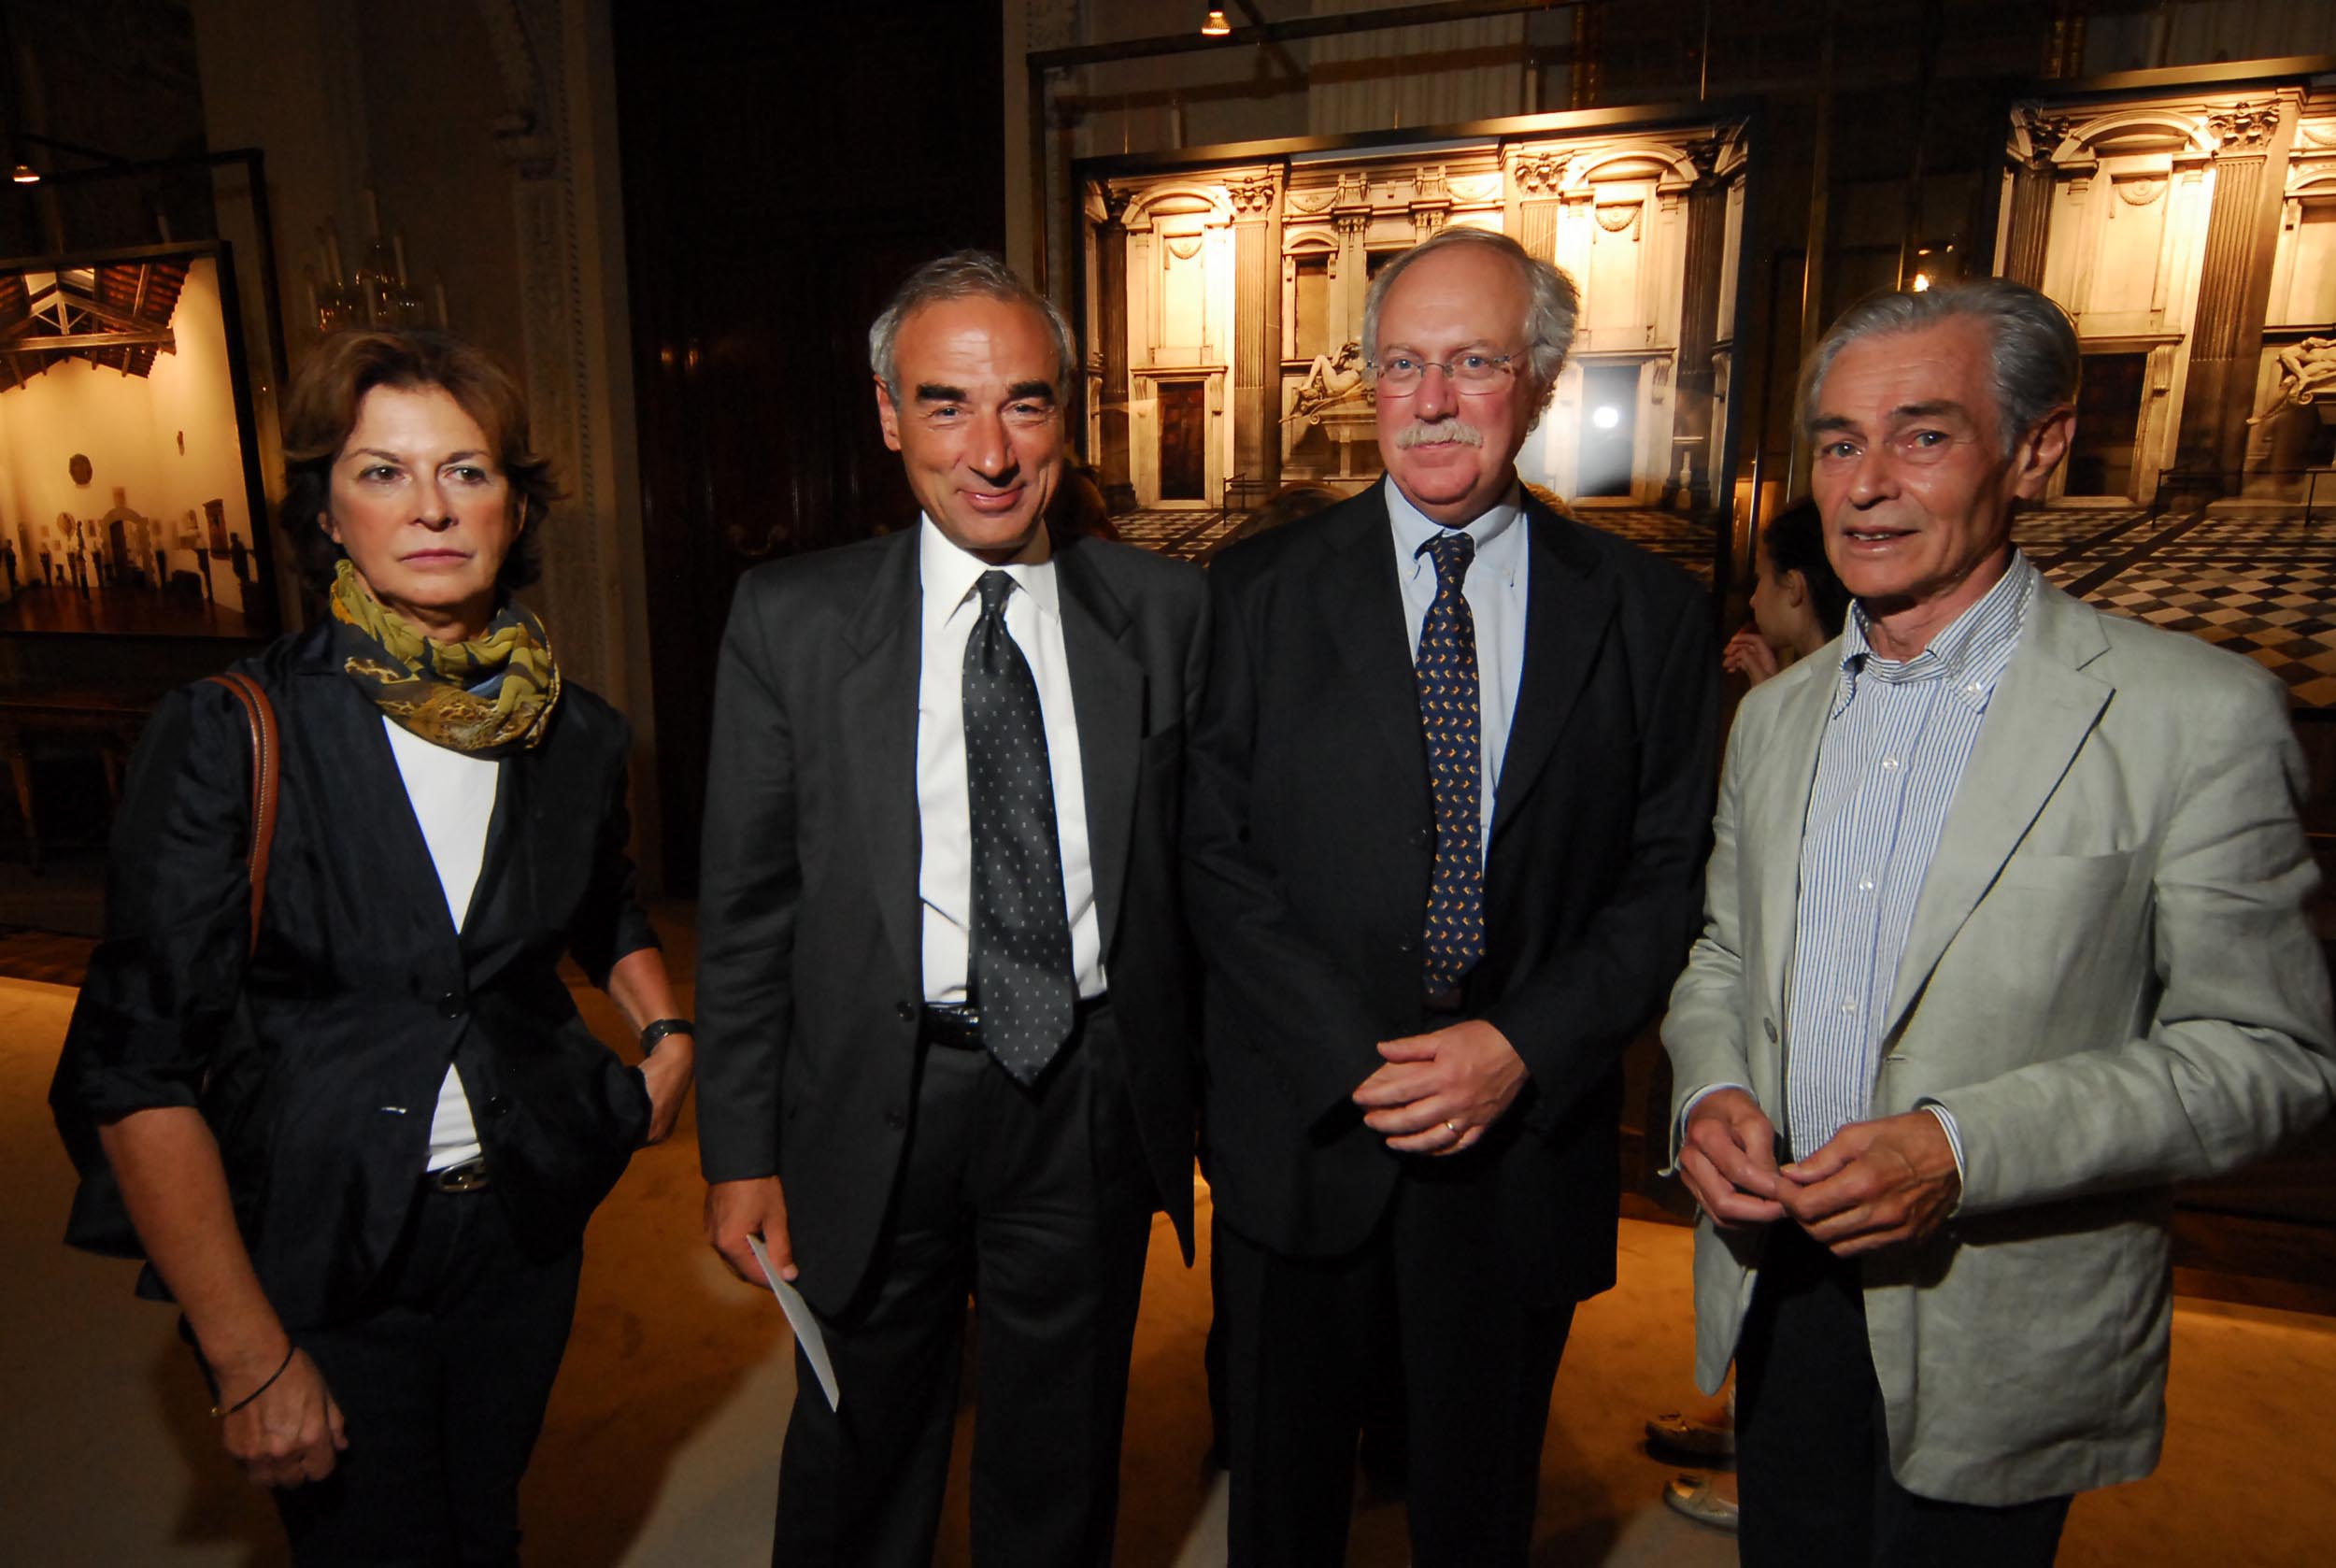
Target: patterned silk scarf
489,697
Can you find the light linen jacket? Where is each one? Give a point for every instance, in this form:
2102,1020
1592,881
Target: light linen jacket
2111,981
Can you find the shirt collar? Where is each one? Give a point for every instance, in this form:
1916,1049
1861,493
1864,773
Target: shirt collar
947,576
1970,653
1414,529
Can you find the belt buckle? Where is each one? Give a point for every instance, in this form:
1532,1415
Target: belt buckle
468,1176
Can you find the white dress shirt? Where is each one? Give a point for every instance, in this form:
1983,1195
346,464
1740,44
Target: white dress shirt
1495,590
945,871
454,795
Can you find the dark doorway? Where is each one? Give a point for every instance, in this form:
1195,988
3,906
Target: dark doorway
1183,441
2108,415
781,176
1609,428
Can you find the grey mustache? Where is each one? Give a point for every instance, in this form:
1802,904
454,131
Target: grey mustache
1445,431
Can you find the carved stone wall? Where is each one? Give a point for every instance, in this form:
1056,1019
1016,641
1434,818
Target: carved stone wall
1618,210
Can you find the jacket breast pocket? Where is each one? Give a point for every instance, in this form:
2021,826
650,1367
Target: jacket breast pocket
2074,875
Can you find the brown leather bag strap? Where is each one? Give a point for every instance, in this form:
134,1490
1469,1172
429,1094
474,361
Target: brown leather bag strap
261,715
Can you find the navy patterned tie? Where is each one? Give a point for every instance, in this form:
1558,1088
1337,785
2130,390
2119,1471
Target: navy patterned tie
1454,935
1018,969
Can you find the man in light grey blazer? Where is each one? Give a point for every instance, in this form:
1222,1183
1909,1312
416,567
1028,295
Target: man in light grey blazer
2005,933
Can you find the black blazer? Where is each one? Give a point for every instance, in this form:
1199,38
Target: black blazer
1310,839
810,955
318,1068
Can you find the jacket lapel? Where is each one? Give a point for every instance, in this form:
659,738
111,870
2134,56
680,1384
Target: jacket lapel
1362,610
1108,699
1777,810
2036,722
1567,606
877,696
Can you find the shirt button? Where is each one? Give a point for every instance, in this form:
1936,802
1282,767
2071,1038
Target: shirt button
1890,763
1866,886
1849,1006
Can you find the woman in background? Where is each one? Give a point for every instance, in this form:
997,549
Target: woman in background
358,1143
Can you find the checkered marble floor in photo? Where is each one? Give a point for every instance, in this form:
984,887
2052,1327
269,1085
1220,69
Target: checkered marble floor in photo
1188,534
2261,585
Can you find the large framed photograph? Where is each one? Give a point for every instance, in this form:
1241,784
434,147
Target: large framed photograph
1223,293
131,502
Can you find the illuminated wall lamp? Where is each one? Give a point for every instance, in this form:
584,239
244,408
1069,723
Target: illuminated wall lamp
26,175
1215,26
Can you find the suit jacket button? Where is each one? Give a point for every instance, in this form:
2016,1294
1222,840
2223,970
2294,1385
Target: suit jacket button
1408,945
498,1104
1422,837
895,1120
452,1006
908,1011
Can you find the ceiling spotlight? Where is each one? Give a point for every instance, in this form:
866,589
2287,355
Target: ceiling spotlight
1921,283
26,175
1215,26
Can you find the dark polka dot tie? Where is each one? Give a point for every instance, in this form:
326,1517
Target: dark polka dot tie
1019,971
1454,935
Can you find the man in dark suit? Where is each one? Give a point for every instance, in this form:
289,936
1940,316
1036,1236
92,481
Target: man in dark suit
1447,816
942,980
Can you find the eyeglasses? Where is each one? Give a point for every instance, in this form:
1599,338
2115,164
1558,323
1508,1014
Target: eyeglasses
1400,374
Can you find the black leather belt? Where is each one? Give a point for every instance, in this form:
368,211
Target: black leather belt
953,1026
468,1176
957,1026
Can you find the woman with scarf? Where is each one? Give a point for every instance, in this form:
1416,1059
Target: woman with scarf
357,1142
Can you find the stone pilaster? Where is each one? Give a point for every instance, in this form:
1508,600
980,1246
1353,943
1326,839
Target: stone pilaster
2234,285
1699,325
1257,327
1111,329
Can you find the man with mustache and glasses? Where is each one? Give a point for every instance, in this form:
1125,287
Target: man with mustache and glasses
1444,830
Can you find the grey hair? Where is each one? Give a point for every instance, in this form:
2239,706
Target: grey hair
2032,353
1549,319
965,275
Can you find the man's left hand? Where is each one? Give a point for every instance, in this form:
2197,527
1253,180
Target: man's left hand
1439,1091
1875,1184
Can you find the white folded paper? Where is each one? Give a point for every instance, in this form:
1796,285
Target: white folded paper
800,1318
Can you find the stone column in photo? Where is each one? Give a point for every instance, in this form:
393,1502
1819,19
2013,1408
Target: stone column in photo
2033,174
2234,283
1256,334
1698,322
1350,269
1536,178
1111,348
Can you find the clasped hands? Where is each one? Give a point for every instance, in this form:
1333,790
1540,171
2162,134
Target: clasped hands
1439,1091
1873,1184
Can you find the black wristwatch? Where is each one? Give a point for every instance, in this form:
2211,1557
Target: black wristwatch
663,1027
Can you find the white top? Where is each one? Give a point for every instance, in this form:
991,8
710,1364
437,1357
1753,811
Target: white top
453,796
945,872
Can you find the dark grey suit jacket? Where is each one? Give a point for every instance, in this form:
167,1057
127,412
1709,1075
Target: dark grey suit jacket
809,964
1310,839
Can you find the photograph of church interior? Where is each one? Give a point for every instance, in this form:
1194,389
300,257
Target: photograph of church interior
675,227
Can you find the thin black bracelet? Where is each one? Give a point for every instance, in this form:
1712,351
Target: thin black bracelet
263,1388
654,1032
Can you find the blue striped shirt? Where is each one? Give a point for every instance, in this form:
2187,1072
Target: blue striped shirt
1894,746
